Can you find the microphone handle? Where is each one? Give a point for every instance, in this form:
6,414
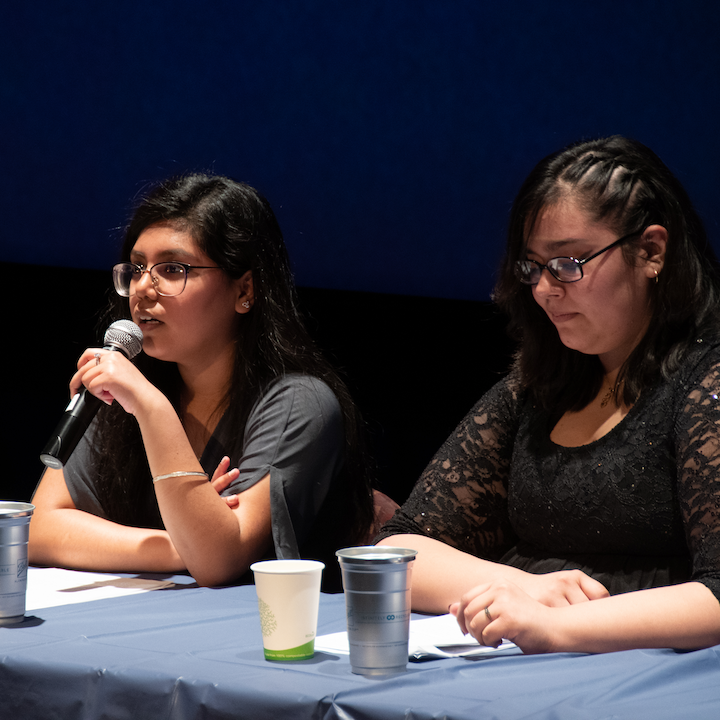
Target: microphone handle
72,426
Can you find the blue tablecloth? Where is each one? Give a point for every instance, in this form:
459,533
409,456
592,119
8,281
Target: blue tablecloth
197,653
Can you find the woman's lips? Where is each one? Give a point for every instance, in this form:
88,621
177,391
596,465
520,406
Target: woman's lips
561,317
145,321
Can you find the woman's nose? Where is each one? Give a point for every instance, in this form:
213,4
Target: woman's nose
145,284
547,285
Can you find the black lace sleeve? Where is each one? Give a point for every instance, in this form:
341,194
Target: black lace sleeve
461,497
698,463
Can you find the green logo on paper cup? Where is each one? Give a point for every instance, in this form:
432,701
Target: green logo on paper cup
302,652
268,623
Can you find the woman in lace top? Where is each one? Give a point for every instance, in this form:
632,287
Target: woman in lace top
576,506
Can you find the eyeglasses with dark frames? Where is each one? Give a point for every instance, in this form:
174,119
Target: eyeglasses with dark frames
564,269
168,278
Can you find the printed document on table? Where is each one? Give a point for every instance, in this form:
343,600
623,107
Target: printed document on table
432,637
50,587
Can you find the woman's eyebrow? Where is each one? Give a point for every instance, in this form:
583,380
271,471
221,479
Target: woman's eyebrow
554,246
168,254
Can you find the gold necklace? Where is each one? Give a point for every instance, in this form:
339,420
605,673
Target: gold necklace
610,394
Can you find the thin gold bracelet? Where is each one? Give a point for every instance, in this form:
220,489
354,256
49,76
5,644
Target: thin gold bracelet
181,473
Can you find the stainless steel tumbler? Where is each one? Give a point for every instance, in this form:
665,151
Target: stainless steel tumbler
14,531
377,583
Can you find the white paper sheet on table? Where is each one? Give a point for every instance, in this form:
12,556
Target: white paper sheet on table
50,587
433,637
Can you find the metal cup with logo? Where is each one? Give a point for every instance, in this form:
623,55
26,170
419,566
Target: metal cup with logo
377,582
14,533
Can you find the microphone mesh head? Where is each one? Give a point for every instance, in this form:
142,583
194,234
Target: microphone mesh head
125,335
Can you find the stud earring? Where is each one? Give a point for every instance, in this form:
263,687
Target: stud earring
246,303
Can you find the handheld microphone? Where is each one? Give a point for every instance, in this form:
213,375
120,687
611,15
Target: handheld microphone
124,336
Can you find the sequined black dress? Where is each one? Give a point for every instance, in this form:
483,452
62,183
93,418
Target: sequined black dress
638,508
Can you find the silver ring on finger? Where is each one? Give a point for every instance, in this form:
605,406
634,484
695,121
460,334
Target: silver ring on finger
487,613
97,358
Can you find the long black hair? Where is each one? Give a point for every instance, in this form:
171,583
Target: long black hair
237,229
624,184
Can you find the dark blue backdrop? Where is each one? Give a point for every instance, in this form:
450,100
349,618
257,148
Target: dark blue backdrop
389,135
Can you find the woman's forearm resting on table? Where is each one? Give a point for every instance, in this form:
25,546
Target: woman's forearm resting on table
683,616
564,611
72,538
209,543
442,574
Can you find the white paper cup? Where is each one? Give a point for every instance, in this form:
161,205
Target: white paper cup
14,529
288,593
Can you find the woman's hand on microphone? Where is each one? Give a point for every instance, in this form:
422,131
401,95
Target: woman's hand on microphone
110,376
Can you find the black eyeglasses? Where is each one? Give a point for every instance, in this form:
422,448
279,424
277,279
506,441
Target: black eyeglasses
168,278
564,269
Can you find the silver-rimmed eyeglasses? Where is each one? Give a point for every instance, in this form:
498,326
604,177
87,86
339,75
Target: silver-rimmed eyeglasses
564,269
168,278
